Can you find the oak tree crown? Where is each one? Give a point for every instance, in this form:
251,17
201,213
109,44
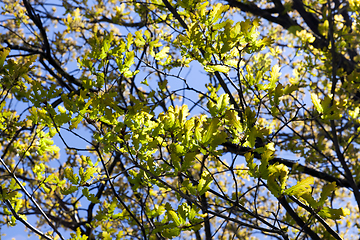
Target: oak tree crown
187,119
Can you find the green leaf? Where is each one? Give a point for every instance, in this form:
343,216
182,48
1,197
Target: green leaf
69,190
129,60
162,54
278,175
86,174
310,200
78,235
188,160
91,197
217,68
139,40
223,102
105,49
71,176
274,76
3,54
106,236
75,121
204,183
326,192
188,186
273,186
216,12
234,120
253,168
210,130
172,214
301,187
317,103
219,138
198,133
265,157
171,232
334,214
183,211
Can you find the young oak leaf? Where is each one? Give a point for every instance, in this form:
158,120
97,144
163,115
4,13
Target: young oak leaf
162,54
217,68
204,184
274,76
301,187
91,197
327,212
316,102
211,130
326,192
172,215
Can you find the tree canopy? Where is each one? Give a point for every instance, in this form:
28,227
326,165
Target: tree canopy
189,119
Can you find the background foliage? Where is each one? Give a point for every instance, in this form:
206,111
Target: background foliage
180,119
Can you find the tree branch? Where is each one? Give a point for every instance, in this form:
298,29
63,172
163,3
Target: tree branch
23,221
320,219
230,147
32,199
46,46
297,219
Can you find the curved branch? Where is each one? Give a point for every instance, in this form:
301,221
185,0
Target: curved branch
46,46
230,147
320,219
32,199
297,219
23,221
